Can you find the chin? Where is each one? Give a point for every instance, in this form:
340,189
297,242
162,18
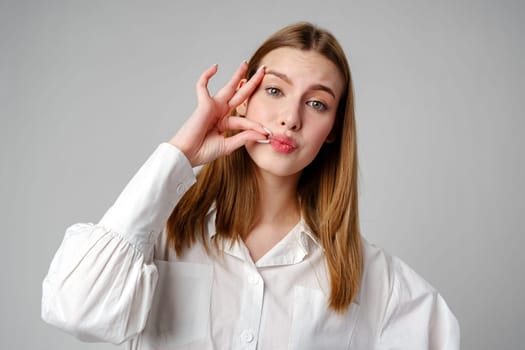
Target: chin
275,166
282,173
279,170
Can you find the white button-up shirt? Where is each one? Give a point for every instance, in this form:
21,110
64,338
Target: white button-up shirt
115,282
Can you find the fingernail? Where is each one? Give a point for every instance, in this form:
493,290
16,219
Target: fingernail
263,141
261,67
267,131
245,61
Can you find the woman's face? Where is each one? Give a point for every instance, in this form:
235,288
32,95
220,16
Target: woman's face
297,101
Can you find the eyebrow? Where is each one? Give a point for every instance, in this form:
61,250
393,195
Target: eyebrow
287,79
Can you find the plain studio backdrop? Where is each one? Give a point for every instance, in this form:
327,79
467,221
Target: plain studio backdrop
88,89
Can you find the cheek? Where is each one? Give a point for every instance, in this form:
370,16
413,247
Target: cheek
256,110
320,129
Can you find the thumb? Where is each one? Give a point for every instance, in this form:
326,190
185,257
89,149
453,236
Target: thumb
240,139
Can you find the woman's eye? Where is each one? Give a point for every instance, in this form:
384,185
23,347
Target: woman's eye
274,91
317,105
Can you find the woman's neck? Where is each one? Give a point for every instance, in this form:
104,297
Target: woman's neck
277,213
278,200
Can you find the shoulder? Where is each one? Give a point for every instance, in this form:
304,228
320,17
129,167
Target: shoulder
404,305
389,282
379,265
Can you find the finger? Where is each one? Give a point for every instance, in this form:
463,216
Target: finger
202,83
238,140
247,89
239,123
229,89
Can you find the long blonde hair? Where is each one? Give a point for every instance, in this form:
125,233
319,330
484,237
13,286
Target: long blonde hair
327,186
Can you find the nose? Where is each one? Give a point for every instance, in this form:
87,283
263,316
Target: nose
291,120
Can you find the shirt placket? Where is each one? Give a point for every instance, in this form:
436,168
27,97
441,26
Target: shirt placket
251,309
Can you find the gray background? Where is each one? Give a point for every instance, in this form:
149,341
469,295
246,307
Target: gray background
89,88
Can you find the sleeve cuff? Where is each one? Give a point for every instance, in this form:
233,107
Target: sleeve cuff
142,209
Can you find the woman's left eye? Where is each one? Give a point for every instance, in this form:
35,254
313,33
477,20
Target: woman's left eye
317,105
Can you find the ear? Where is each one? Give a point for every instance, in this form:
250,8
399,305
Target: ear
241,109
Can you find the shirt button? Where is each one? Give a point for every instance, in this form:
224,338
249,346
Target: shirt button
247,336
253,279
180,189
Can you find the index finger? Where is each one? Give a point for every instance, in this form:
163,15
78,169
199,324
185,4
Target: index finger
229,89
247,89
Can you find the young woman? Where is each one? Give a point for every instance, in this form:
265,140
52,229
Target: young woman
262,249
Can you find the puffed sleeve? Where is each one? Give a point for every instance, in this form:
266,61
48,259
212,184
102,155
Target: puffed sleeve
417,317
102,279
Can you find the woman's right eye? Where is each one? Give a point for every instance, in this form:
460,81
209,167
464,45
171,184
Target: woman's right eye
273,91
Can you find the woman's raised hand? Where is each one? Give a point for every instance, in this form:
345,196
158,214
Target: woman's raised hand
201,138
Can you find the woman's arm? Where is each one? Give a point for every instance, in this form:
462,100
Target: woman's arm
101,281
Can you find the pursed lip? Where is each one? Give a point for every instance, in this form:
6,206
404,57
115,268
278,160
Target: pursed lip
283,143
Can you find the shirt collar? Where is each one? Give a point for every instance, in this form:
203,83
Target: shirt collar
292,249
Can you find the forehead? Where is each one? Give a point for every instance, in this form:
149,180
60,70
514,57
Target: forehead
304,66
